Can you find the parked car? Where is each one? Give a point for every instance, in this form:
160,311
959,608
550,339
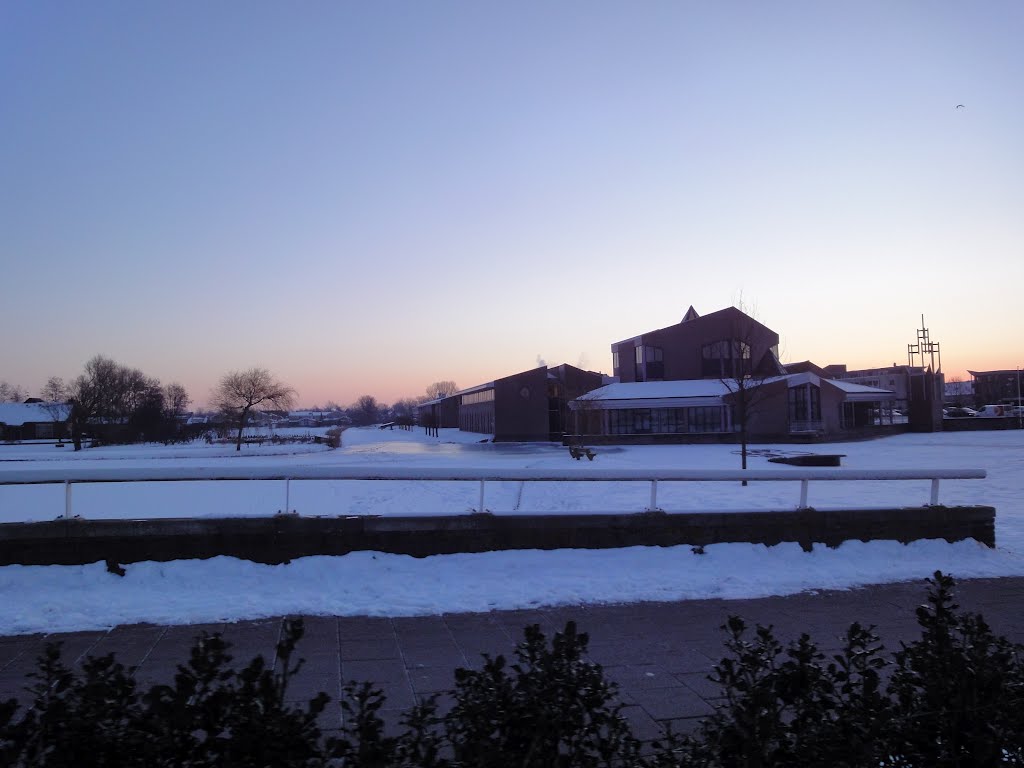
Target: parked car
995,411
958,412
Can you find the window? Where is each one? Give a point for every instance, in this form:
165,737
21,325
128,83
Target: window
804,403
638,354
705,419
664,421
641,421
615,360
655,368
484,396
729,358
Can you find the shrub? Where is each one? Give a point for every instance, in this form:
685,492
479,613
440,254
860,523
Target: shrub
334,437
954,699
212,716
958,691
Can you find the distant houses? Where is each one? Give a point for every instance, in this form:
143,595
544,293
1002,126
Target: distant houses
34,420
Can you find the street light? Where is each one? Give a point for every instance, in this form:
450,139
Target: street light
1020,408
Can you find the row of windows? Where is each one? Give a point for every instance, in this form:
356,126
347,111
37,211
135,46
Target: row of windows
725,359
660,421
730,349
648,353
484,396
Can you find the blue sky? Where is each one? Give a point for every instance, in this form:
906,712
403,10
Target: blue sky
366,198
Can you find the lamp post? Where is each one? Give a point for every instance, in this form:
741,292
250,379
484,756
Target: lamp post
1020,408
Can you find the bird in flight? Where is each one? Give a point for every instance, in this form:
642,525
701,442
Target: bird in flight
959,106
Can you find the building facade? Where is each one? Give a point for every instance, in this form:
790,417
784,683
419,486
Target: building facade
724,344
796,406
527,406
996,387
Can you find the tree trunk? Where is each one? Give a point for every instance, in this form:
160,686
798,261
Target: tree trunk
76,426
743,446
241,427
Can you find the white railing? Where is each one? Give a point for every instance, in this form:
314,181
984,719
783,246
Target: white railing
69,476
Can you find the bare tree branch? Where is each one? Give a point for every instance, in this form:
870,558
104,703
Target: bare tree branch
241,392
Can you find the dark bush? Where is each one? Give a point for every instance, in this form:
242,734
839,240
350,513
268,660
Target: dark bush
955,697
212,716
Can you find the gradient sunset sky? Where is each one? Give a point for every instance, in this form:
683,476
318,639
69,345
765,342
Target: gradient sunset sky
369,197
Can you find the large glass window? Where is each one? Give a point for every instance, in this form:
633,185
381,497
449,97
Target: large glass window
666,421
804,403
655,366
729,358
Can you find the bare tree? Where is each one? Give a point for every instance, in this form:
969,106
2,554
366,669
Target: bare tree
956,385
746,364
441,389
241,392
12,393
55,390
366,410
176,400
91,395
55,403
404,410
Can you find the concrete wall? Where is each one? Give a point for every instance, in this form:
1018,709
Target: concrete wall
280,539
980,425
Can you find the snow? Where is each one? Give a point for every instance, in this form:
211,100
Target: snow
19,414
65,598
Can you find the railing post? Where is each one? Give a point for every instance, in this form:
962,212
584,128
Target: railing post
480,509
67,499
803,493
935,491
287,494
654,497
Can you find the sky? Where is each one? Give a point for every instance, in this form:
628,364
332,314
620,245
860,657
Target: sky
367,198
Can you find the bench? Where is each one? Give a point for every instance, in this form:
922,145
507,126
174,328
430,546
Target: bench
578,452
810,460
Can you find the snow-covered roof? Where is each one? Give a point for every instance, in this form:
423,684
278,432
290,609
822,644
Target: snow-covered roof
657,394
644,390
17,414
860,389
695,392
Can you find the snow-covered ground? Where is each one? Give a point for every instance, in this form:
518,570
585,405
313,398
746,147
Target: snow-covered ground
56,598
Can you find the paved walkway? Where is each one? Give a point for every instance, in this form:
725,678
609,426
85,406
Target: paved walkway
659,653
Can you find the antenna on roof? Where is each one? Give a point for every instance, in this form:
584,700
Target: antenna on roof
924,346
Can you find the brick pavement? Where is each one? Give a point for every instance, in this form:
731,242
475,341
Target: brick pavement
659,653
